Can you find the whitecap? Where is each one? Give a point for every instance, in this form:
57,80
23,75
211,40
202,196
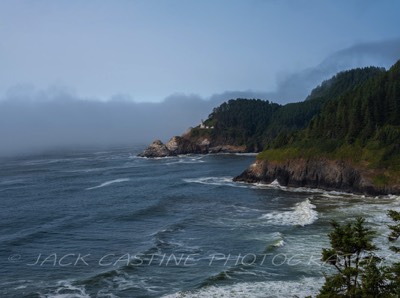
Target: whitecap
279,243
187,160
67,290
109,182
302,214
212,181
267,289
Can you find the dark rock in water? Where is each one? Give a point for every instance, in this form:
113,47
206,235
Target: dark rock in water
316,173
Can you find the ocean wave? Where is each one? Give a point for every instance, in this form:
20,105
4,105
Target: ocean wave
246,154
302,214
219,181
109,183
374,210
12,181
99,169
278,240
14,184
231,153
187,160
267,289
228,181
66,290
243,209
328,193
48,161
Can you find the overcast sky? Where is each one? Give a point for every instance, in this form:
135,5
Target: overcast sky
151,49
110,72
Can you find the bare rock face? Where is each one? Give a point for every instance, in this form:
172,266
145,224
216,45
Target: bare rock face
156,149
175,146
179,145
315,173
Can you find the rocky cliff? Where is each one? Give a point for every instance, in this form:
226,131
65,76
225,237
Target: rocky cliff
317,173
185,145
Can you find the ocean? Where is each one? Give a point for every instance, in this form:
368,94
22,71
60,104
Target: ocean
106,223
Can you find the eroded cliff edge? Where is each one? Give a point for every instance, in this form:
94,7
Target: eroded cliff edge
319,173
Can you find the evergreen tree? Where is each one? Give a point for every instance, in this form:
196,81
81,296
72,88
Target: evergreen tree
394,270
351,254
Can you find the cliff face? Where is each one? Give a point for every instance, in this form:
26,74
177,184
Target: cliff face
316,173
181,145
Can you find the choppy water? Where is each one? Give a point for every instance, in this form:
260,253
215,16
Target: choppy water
109,224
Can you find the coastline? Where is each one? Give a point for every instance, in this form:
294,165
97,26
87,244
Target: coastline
182,146
316,173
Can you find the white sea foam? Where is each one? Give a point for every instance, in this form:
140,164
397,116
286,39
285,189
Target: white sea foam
228,181
279,243
332,194
275,183
214,181
187,160
109,182
67,290
302,214
246,154
268,289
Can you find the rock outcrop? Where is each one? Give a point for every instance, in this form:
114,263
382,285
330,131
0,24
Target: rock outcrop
316,173
181,145
175,146
156,149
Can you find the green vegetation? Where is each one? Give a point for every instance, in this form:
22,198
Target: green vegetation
359,271
242,122
367,113
360,125
354,116
296,116
258,124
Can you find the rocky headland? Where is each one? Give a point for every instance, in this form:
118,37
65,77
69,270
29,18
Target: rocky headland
319,173
178,145
344,136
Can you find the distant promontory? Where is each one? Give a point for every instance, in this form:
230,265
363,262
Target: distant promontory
344,136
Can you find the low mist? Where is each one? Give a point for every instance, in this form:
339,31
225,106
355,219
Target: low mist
32,121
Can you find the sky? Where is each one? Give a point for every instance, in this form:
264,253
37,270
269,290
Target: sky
171,58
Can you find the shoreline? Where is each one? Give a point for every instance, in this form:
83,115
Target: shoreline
316,173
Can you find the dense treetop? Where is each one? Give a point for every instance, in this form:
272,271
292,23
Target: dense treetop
361,125
260,124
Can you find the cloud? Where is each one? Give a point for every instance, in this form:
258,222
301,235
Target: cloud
296,86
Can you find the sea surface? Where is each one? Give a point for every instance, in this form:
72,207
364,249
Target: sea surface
106,223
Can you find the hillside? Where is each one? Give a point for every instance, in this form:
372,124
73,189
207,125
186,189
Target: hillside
251,125
353,144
